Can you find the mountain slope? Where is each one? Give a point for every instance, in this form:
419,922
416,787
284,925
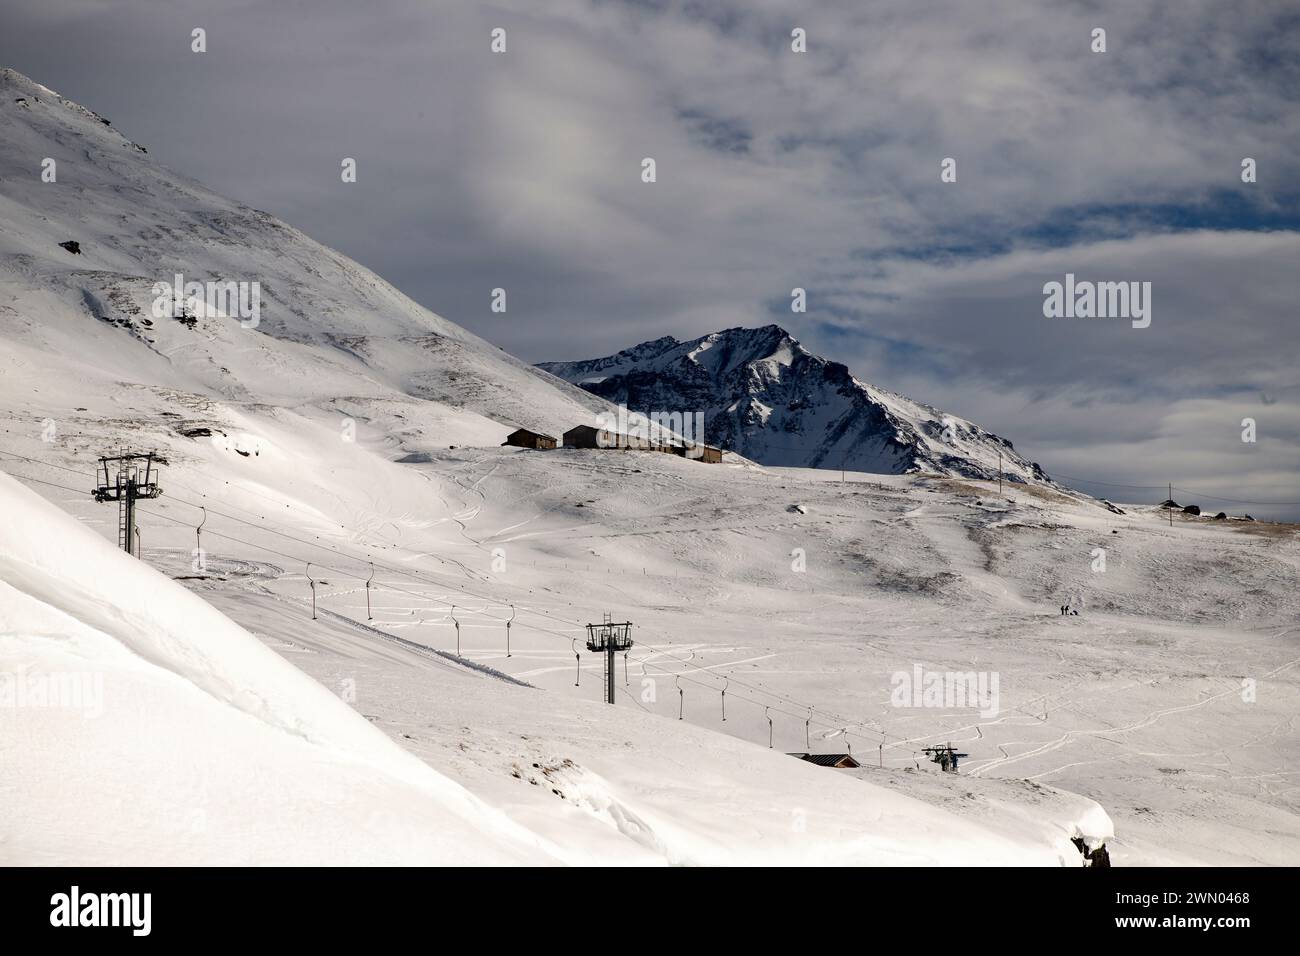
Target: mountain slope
767,397
139,725
327,329
193,744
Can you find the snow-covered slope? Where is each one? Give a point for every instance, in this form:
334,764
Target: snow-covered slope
140,725
329,332
768,398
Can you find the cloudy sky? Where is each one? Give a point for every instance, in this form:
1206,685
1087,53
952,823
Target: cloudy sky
776,170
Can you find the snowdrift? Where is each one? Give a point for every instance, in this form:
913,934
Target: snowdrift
140,726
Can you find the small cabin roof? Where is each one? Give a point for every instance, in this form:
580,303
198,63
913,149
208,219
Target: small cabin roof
829,760
529,431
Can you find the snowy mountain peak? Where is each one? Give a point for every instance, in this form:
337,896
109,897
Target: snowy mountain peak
767,397
27,94
11,81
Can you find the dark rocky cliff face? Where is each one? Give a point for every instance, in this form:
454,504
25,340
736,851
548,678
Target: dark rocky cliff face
768,398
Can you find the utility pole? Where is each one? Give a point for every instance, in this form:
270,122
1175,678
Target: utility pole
999,474
610,639
1170,507
126,479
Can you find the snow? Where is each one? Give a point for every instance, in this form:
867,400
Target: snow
234,728
205,747
208,748
1011,806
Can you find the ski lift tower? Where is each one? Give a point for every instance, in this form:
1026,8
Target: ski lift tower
945,757
610,639
125,479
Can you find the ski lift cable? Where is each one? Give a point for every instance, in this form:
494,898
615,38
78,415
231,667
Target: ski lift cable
642,661
537,612
1235,501
423,578
1164,487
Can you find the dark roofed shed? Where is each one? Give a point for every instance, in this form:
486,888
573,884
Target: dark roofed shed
842,761
523,438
